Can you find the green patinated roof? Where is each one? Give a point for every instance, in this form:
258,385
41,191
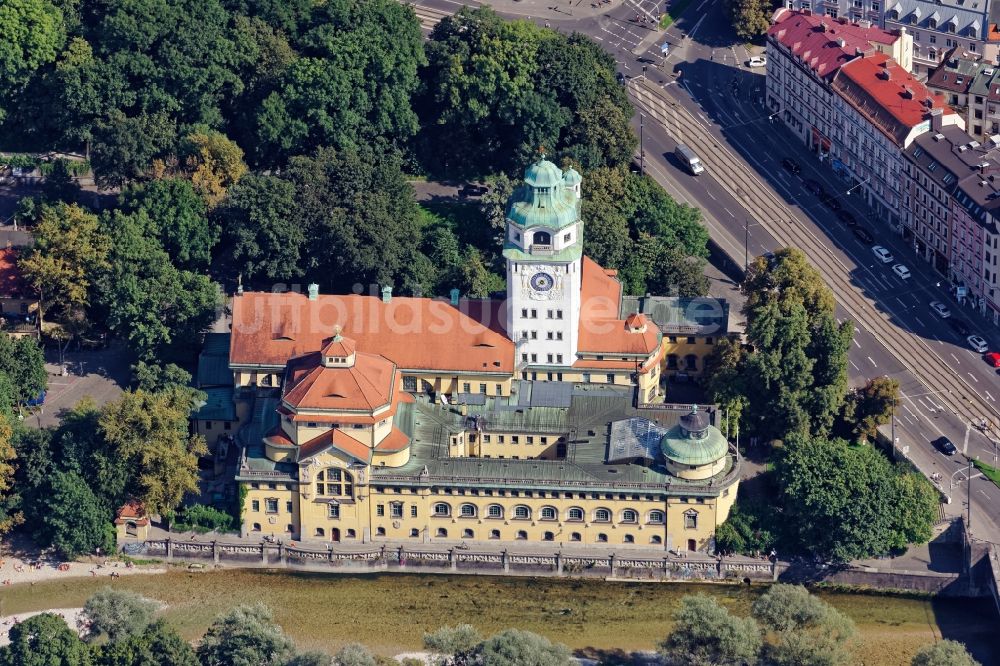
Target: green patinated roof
213,361
572,177
694,442
514,253
219,405
545,199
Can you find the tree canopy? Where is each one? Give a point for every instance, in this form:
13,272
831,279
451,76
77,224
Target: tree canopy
118,614
706,634
245,636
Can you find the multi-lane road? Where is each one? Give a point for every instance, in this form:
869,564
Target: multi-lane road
703,95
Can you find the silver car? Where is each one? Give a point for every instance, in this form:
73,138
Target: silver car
940,309
978,344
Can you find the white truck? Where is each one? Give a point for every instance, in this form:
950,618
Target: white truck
689,159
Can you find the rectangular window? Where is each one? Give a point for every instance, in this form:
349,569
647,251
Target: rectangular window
271,505
410,384
288,507
611,378
549,356
524,313
558,314
397,509
255,505
534,358
558,335
534,314
515,439
524,357
380,510
499,389
534,335
208,425
482,388
691,520
558,358
227,425
550,335
690,339
466,387
531,440
586,378
486,438
549,314
413,511
333,511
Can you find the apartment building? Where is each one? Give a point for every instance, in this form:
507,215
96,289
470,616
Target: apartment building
972,87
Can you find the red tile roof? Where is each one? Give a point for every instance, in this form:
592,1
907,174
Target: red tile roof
887,95
601,331
414,333
337,439
823,43
12,283
366,385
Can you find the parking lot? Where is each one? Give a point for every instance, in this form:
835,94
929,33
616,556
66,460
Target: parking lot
99,375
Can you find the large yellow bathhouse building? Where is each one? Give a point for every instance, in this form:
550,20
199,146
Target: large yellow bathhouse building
534,418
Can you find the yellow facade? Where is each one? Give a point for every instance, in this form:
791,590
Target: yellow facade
687,354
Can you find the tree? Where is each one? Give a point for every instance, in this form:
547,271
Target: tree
149,432
125,147
178,215
452,640
214,162
22,362
33,33
354,654
59,184
44,640
69,251
120,614
74,522
158,645
311,659
261,236
871,406
806,630
750,18
245,636
943,653
9,499
705,634
493,203
516,647
916,508
154,378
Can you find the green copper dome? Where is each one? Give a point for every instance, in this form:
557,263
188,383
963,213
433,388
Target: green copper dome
572,177
694,441
544,200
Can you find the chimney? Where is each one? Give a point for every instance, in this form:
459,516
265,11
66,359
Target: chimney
455,293
386,294
313,289
841,42
822,26
937,115
907,92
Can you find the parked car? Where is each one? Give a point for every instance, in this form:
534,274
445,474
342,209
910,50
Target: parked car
940,309
815,187
757,61
791,166
993,358
882,254
847,218
959,326
863,234
902,271
621,78
944,445
978,344
831,202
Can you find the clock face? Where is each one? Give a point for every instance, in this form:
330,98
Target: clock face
541,282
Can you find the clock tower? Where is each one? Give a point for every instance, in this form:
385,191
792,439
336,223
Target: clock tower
543,247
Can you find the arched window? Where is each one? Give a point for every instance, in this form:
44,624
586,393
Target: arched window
549,513
656,540
602,538
494,534
379,531
893,15
351,534
442,509
542,238
630,516
522,512
442,532
602,516
932,54
656,518
468,534
334,482
575,514
690,362
468,511
320,532
671,361
575,536
256,527
629,538
521,535
414,532
548,536
494,511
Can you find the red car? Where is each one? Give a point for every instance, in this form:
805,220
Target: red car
993,358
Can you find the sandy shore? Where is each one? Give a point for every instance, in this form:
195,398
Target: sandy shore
71,615
14,571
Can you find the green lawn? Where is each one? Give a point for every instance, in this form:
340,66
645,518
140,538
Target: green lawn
673,13
990,472
390,613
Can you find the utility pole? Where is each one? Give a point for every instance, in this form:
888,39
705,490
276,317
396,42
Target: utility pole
746,244
642,148
968,496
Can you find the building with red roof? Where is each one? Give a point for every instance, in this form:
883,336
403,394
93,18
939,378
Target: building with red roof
18,301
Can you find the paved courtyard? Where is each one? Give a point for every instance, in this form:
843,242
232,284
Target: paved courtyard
100,375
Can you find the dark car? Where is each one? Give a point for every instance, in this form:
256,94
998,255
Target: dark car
863,235
846,218
830,202
959,326
621,78
814,187
944,445
791,166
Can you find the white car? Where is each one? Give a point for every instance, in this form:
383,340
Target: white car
902,271
757,61
940,309
978,344
882,254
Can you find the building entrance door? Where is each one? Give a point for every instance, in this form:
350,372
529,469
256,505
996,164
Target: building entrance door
335,534
692,545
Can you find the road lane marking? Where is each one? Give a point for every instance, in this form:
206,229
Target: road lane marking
711,195
729,211
918,321
988,395
855,366
901,302
952,354
973,377
872,362
855,341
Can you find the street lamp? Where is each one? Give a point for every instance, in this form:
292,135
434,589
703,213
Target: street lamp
642,149
854,187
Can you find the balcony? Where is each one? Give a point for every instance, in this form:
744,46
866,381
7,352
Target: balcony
15,324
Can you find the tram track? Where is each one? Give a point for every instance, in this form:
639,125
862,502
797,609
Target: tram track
762,203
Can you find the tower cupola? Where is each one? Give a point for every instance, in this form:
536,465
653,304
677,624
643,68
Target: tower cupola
339,352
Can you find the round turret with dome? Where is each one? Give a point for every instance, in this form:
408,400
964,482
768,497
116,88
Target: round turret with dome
694,448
